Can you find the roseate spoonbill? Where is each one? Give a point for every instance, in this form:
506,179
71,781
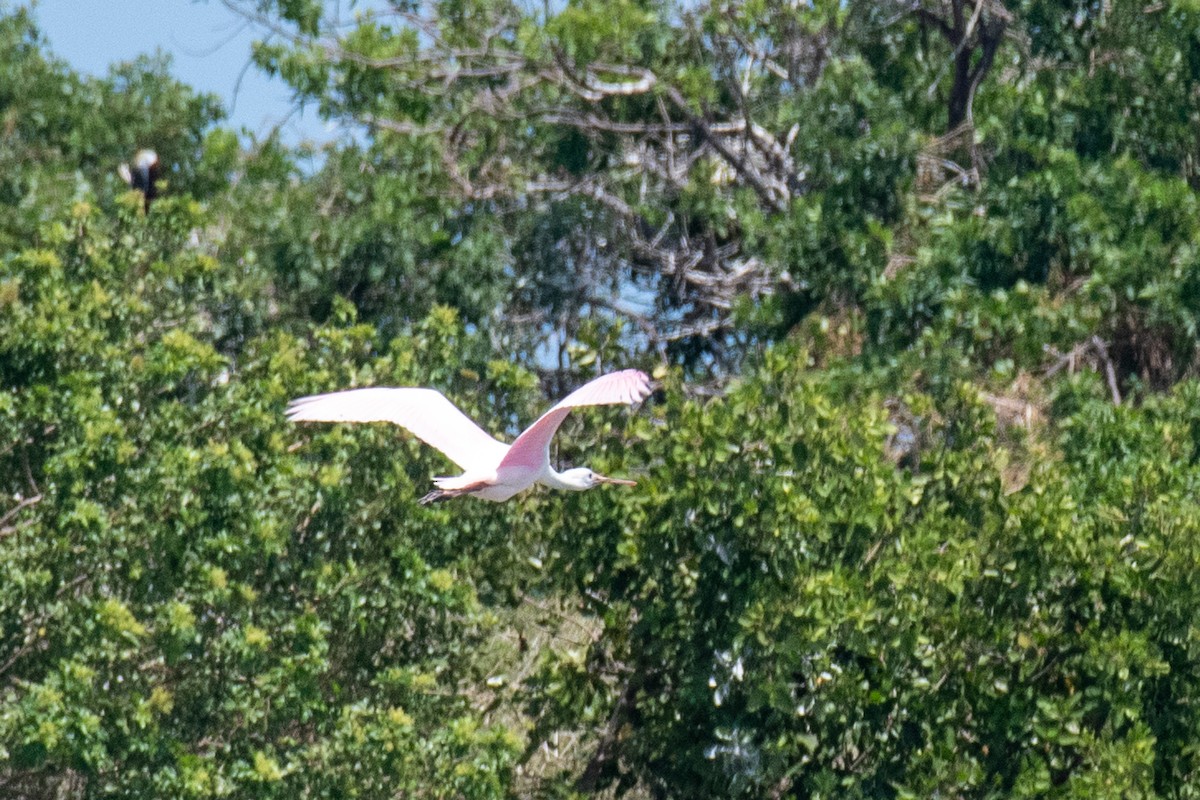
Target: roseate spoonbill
492,470
143,176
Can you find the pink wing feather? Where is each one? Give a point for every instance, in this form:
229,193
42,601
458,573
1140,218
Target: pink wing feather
424,412
531,450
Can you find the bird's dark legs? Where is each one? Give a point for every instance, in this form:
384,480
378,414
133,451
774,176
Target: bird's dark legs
437,495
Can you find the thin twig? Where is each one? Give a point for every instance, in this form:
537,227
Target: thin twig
12,512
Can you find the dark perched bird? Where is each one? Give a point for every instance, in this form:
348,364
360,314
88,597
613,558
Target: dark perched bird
142,175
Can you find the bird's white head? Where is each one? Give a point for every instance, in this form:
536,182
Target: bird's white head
145,159
581,478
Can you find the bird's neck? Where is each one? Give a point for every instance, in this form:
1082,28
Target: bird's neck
556,480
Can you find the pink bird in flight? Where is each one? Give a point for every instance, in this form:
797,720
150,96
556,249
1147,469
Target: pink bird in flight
492,470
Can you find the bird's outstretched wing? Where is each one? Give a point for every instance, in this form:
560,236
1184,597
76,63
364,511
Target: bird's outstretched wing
426,413
532,448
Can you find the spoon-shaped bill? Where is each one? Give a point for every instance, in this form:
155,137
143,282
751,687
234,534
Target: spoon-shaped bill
615,481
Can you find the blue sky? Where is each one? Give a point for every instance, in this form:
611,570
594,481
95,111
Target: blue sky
209,43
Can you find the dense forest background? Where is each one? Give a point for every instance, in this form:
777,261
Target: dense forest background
917,515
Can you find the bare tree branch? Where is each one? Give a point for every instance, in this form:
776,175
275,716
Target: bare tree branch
5,529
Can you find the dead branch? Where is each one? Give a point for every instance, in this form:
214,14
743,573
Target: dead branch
12,513
1093,347
650,158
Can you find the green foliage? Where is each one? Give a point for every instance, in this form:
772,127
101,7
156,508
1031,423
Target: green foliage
794,613
203,601
62,135
381,236
1051,258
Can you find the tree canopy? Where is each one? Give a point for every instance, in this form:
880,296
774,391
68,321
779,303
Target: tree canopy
916,512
